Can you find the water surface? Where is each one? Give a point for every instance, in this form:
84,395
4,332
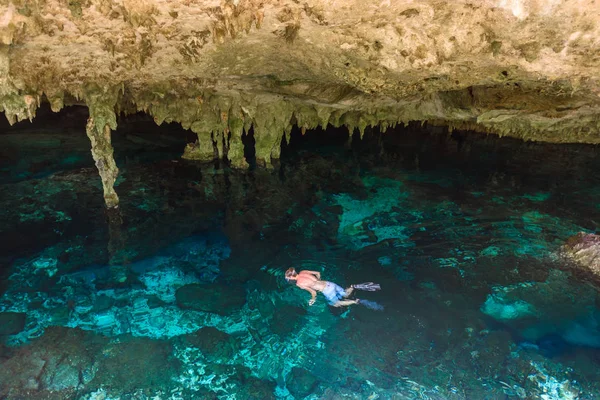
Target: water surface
181,293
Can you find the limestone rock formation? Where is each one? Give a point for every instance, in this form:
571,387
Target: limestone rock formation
216,346
522,68
584,249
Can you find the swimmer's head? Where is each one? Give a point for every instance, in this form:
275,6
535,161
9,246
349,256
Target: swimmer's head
290,274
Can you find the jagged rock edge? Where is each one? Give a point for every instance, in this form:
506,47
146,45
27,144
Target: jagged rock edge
220,120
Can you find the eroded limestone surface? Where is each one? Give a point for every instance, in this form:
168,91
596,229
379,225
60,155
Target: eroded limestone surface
584,249
522,68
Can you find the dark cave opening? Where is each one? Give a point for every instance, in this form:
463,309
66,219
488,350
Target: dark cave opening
427,147
56,141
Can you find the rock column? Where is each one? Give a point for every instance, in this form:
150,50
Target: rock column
102,152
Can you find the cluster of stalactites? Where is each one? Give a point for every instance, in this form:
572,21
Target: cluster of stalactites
220,123
220,120
220,135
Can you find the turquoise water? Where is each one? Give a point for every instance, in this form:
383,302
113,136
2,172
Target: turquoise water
180,295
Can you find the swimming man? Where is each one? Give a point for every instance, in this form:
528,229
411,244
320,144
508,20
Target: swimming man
335,294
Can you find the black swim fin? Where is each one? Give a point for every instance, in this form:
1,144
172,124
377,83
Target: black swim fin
368,286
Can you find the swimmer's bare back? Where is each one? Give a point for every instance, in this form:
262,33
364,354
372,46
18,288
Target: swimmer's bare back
311,282
310,279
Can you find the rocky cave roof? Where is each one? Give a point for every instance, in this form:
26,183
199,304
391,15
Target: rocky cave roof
521,68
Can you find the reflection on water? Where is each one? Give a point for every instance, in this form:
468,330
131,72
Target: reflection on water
181,294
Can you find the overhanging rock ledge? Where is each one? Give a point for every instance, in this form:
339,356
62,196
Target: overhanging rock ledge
522,68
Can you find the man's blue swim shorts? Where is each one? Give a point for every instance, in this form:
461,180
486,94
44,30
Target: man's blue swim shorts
333,292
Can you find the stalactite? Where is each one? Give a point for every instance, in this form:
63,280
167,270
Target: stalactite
235,147
102,152
288,134
270,122
335,119
306,117
235,154
219,141
276,146
56,98
203,149
383,126
323,114
101,102
18,107
263,146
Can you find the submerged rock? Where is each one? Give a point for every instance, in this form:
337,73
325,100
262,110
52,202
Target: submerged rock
61,360
499,308
217,346
253,388
368,219
287,319
301,382
214,298
11,323
62,375
137,363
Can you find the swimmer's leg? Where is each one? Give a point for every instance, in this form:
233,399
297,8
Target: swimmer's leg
342,303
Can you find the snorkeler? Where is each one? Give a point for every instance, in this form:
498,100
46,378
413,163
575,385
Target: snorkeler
335,294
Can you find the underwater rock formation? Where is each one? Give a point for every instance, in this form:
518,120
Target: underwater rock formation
63,359
229,68
11,323
301,383
217,346
584,249
214,298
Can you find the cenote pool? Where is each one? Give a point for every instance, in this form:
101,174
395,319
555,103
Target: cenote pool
180,294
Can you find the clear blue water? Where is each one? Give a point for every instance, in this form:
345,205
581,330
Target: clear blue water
181,294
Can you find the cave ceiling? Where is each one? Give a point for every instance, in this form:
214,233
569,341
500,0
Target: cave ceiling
522,68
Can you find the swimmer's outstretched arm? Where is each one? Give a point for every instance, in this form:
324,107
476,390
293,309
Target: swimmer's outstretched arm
313,294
